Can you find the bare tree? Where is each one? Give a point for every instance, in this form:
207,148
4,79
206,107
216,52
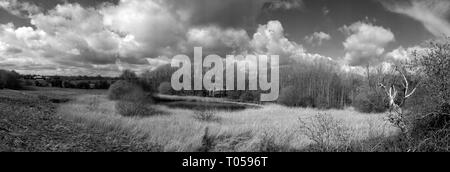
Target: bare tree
396,101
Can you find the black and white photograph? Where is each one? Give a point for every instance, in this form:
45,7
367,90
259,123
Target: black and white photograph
224,76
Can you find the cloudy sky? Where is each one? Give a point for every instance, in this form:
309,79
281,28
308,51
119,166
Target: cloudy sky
91,37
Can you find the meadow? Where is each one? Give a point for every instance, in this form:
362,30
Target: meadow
267,128
29,122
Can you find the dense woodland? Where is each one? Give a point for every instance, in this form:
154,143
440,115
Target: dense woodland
317,84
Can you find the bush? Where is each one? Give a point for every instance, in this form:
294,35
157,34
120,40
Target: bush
130,108
431,133
370,101
128,75
434,65
125,90
165,88
10,80
206,116
151,80
430,126
269,143
327,133
133,101
288,96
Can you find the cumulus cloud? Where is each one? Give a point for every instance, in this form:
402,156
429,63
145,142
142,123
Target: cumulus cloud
317,38
401,54
154,28
21,46
93,38
217,40
74,39
21,9
365,43
270,39
433,14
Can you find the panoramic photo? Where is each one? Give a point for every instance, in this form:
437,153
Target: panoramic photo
224,76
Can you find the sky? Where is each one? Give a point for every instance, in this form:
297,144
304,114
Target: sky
103,37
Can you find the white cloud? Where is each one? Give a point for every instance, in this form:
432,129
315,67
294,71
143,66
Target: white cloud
70,39
270,39
433,14
24,39
87,37
317,38
365,43
21,9
218,40
155,28
401,54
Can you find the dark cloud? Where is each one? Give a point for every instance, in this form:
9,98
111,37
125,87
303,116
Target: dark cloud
228,13
13,50
283,5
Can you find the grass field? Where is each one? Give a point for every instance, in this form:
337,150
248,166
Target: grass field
270,128
85,120
29,122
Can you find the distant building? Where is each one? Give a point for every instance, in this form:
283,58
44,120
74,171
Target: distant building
38,78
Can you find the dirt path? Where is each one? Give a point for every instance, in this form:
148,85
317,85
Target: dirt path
29,122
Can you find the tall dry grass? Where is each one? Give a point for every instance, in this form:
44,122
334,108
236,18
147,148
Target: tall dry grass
272,128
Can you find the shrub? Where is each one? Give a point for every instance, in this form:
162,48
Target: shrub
430,127
125,90
327,133
151,80
269,143
129,108
10,80
434,65
165,88
288,96
135,103
370,101
431,133
128,75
